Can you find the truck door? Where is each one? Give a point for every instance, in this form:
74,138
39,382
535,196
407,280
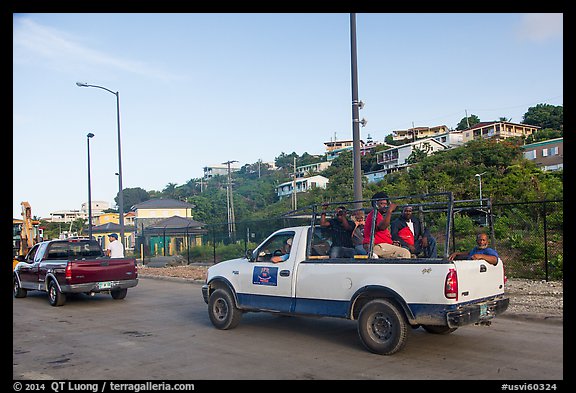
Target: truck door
28,270
264,284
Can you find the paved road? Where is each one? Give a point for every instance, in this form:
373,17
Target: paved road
162,331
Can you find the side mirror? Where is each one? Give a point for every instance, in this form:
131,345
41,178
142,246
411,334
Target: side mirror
250,255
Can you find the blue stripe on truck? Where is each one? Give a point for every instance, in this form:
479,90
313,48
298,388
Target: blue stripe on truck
330,308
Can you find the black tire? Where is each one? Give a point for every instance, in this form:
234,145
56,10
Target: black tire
438,329
119,294
222,311
382,327
19,292
55,297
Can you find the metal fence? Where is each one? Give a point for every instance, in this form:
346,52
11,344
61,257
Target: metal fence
527,235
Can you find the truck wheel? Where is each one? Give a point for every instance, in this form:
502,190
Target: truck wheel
18,290
438,329
55,297
119,294
382,327
222,310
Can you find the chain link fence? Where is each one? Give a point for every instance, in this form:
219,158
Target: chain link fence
528,236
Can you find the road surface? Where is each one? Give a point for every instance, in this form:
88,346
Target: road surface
161,331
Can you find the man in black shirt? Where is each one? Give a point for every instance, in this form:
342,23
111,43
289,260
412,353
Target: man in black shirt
341,228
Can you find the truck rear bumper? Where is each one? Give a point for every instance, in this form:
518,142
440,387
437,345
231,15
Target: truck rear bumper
478,312
99,286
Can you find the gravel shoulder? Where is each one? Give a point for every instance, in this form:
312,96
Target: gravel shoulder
529,299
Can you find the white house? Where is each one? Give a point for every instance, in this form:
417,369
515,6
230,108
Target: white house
220,169
396,158
303,184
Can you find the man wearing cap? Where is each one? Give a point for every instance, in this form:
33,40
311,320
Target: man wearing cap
383,244
115,248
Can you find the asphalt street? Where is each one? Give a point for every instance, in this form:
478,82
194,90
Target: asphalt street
161,331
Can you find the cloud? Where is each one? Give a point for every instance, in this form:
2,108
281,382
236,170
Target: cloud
60,51
541,27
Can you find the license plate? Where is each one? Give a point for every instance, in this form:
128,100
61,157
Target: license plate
483,310
105,285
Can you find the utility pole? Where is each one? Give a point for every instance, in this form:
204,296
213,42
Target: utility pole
294,200
230,202
201,183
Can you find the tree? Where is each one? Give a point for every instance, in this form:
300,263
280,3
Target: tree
132,196
468,122
545,116
418,154
543,135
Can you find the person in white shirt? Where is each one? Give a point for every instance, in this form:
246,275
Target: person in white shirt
115,249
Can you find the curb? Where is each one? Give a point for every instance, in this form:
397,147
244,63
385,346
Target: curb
534,317
173,279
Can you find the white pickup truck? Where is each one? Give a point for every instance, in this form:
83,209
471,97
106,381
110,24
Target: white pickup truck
388,297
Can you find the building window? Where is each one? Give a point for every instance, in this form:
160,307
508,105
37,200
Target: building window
530,155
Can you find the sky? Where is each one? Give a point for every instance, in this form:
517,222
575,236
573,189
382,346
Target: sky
201,89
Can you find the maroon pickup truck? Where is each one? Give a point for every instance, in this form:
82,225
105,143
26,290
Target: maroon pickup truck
60,267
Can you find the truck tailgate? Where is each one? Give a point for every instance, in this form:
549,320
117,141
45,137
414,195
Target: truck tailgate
105,269
478,279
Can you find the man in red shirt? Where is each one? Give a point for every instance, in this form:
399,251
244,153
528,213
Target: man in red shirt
383,245
409,232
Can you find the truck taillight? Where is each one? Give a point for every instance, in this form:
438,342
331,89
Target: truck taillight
451,285
68,275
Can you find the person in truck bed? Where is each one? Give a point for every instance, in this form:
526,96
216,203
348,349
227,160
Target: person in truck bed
482,251
408,231
358,232
383,245
341,230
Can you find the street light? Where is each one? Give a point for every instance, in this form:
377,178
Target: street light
356,105
120,191
479,176
230,203
90,135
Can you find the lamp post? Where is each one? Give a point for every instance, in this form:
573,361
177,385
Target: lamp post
88,136
230,203
120,192
479,176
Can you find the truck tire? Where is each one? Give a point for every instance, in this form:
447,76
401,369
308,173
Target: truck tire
382,327
119,294
222,310
18,290
438,329
55,297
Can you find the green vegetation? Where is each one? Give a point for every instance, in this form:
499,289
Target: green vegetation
508,179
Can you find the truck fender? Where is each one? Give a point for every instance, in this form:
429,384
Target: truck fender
51,277
370,292
222,282
17,277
